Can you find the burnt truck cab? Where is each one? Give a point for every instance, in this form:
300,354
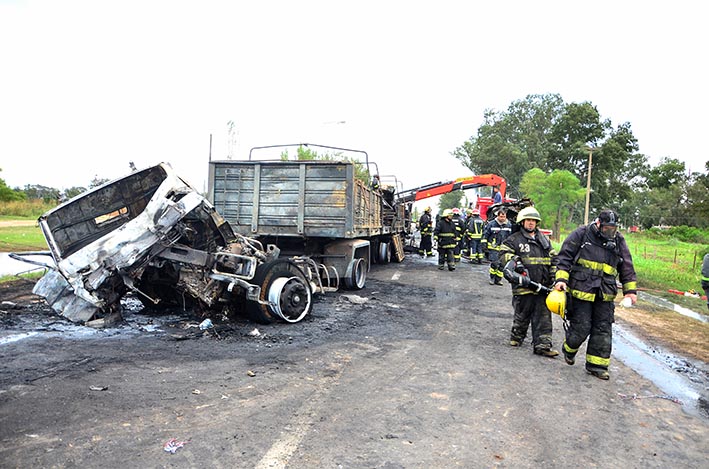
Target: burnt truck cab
152,234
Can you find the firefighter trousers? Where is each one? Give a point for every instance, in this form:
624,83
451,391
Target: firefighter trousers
426,246
532,308
592,320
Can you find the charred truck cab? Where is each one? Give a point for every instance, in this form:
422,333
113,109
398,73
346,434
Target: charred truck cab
152,234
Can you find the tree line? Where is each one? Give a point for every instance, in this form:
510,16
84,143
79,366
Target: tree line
44,193
541,146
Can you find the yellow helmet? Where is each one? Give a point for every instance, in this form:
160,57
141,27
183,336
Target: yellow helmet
428,209
556,302
447,212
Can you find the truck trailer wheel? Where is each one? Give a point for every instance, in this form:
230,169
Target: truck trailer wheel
286,289
384,253
356,275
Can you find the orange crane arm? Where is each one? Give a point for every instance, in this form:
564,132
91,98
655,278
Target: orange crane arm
468,182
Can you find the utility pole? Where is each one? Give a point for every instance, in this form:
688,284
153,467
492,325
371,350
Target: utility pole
588,183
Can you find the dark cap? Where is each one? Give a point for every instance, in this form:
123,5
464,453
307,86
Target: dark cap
608,218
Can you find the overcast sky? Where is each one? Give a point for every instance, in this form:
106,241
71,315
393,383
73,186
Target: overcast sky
87,86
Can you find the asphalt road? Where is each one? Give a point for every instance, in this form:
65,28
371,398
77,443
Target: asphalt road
414,371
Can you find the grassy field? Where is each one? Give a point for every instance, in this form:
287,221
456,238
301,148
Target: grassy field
20,238
667,264
24,209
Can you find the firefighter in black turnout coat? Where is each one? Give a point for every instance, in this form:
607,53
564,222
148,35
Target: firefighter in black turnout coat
590,260
426,230
494,235
535,258
446,235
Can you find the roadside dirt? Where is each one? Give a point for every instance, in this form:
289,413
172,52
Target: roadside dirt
413,371
8,223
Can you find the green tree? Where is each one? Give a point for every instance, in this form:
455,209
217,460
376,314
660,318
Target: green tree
449,200
73,192
308,154
97,181
40,192
557,196
542,131
669,172
7,194
513,142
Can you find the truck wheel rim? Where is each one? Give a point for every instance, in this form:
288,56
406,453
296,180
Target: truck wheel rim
289,298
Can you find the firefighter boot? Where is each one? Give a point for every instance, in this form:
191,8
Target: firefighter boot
598,373
569,358
546,352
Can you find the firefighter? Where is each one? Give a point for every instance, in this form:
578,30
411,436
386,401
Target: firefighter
590,260
459,230
494,235
445,236
473,234
426,229
534,258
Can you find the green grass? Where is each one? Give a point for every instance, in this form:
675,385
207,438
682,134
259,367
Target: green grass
664,264
36,275
21,238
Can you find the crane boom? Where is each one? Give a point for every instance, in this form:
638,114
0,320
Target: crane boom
463,183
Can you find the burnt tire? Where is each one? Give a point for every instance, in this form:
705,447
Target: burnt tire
384,253
356,275
286,289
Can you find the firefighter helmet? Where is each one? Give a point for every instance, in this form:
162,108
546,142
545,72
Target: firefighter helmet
609,224
469,211
456,211
428,209
447,212
556,302
476,211
528,213
608,218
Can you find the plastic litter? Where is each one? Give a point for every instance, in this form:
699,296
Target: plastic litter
206,324
626,302
173,445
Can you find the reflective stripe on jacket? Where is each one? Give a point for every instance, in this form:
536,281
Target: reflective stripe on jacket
445,233
495,234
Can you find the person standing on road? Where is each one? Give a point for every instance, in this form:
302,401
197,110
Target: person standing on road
590,260
426,230
445,236
536,259
473,234
494,235
705,277
459,230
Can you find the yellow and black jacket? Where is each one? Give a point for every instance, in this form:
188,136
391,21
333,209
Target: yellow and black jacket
537,255
589,265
